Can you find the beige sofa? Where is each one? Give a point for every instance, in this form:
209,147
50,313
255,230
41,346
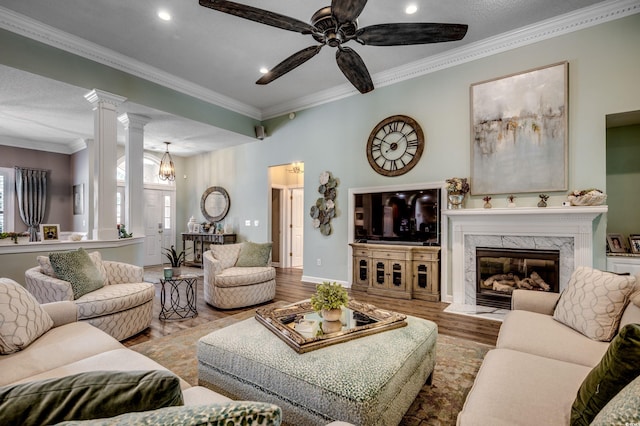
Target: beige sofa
71,347
227,285
122,308
533,375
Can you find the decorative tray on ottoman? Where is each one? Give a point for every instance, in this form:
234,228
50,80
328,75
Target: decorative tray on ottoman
304,330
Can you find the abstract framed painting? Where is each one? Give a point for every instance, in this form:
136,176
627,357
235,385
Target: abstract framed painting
519,135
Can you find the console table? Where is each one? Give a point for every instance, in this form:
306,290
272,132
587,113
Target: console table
399,271
199,240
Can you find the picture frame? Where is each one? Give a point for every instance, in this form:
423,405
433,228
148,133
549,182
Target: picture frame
616,243
634,243
519,132
196,228
50,232
78,199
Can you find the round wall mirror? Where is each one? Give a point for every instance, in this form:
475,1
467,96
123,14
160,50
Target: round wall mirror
215,203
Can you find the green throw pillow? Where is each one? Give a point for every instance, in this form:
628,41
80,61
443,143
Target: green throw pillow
92,395
236,413
77,268
618,367
254,254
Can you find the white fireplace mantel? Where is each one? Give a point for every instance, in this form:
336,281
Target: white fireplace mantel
516,225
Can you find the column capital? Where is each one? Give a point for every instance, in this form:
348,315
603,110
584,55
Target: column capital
97,96
133,120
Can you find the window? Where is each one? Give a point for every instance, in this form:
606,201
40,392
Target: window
7,192
119,205
150,167
167,212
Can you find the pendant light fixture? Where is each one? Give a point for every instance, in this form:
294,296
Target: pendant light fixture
167,169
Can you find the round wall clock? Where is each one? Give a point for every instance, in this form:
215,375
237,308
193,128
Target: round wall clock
395,145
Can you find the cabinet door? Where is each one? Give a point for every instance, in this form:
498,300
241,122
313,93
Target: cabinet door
422,277
361,271
379,277
397,278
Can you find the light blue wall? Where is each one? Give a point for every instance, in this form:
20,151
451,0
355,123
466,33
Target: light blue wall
603,79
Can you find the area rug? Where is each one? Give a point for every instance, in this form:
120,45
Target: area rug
457,362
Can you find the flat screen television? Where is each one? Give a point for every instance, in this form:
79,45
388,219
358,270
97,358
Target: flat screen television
398,217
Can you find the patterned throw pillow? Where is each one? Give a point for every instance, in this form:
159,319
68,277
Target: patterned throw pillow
96,257
22,319
623,409
593,302
77,268
253,254
618,367
236,413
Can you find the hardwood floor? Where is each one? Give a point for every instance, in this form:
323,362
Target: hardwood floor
290,288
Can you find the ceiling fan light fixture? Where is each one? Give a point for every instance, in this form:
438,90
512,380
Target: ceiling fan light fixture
167,169
164,15
264,70
411,9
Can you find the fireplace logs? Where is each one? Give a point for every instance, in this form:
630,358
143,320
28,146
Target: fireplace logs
500,271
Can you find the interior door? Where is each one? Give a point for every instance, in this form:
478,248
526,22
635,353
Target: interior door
153,227
297,227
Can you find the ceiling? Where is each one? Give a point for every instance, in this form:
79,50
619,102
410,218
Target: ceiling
219,56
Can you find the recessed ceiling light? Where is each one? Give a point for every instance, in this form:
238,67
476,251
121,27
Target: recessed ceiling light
164,15
264,70
411,9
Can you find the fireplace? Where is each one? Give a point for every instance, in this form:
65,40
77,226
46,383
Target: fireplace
501,270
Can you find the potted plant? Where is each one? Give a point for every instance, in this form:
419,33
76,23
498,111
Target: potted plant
176,259
329,299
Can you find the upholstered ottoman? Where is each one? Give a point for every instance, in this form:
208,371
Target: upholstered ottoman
371,380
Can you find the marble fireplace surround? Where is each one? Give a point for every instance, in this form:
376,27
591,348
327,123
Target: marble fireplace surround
567,229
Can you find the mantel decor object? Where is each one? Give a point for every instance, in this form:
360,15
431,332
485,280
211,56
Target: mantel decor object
457,189
325,207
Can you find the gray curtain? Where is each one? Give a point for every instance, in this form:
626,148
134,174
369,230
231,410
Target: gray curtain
31,191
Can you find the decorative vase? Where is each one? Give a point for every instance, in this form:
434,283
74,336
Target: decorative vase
168,273
331,314
542,203
487,205
191,223
331,326
176,271
455,200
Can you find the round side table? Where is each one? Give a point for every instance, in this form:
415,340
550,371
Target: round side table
181,303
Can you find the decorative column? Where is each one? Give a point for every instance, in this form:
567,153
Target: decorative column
105,129
134,171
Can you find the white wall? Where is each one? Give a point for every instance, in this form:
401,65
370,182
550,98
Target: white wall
603,79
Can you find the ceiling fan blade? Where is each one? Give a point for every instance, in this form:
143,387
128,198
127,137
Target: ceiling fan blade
259,15
290,63
345,11
353,67
410,33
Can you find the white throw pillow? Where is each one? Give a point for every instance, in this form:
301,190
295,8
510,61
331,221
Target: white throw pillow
227,254
22,319
593,302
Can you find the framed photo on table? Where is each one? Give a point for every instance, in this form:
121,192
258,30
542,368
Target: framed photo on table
634,243
616,244
519,132
50,232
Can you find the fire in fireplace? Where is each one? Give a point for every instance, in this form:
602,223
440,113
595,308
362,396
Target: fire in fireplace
501,270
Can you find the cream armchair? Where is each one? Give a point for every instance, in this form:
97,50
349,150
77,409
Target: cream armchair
122,308
229,285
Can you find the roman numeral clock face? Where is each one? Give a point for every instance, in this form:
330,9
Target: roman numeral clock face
395,145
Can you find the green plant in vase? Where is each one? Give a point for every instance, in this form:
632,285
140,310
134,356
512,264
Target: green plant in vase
175,259
329,299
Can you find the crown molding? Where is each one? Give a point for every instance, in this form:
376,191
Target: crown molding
559,25
35,30
563,24
58,148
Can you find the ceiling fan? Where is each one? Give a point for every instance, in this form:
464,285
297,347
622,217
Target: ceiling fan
335,25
